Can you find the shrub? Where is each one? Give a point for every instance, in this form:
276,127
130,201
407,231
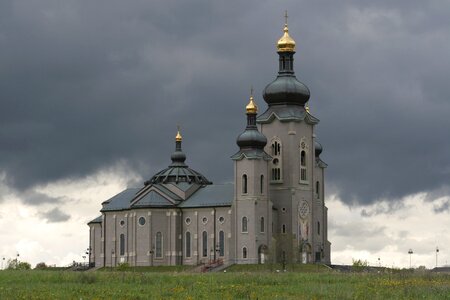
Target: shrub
41,266
359,265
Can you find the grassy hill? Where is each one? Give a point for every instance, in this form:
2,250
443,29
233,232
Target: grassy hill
239,282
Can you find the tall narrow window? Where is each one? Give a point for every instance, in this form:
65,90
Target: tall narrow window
283,229
318,228
221,243
205,244
159,245
244,184
122,244
244,252
318,189
262,225
244,224
262,184
303,166
188,244
276,161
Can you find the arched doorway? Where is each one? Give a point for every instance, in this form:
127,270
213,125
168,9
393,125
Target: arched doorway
263,254
305,252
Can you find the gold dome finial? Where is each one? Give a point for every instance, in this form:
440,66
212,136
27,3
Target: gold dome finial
178,137
286,43
251,106
307,107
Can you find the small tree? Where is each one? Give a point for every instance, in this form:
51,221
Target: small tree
14,264
41,266
359,265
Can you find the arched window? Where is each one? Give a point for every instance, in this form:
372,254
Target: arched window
244,184
205,244
262,184
122,244
303,166
318,228
221,243
188,244
318,189
159,245
244,252
244,224
262,225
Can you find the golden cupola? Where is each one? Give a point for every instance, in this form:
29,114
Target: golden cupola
251,107
178,137
286,43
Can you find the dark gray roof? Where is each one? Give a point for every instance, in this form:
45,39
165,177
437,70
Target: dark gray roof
210,196
207,196
321,163
251,154
99,219
120,201
153,198
286,113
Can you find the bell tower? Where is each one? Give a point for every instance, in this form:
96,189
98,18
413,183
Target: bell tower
251,205
300,232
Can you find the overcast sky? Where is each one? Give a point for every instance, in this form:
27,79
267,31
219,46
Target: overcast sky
91,93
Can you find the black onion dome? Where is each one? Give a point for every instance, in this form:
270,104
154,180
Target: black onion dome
286,89
251,138
177,174
178,171
317,148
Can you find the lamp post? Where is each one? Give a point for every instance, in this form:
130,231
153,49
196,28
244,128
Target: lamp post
151,255
410,252
217,252
88,253
211,254
84,259
112,254
437,251
379,262
3,261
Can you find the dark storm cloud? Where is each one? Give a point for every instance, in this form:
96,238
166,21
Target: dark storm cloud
54,216
86,84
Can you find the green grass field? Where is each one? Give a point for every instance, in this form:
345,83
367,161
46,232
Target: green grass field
306,282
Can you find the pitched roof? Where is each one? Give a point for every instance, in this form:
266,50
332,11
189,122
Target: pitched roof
210,196
120,201
99,219
286,113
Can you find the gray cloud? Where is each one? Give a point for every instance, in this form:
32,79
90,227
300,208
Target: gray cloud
442,207
387,208
86,84
54,216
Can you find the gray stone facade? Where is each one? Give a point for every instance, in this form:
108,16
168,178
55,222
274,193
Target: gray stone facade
273,212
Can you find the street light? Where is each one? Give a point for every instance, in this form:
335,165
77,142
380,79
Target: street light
151,255
112,253
437,251
217,252
3,260
84,259
88,253
410,252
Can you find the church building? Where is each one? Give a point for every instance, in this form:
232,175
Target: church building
274,211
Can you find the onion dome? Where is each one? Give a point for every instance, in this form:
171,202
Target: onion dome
251,138
286,43
251,106
286,89
178,171
317,148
